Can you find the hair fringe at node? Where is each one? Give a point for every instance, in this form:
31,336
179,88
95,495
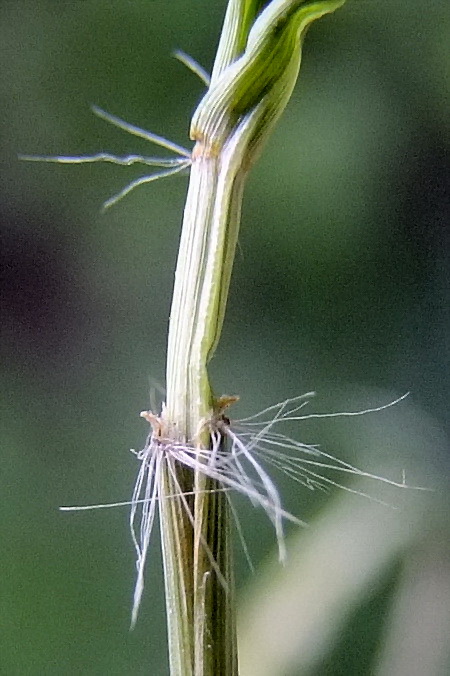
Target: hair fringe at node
236,461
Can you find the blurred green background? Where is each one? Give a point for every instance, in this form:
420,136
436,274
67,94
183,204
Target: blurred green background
341,286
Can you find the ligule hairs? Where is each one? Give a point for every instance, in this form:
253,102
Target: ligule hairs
237,465
169,166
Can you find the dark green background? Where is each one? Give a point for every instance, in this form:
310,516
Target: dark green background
340,286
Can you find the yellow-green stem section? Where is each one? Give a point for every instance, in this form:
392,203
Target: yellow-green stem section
255,71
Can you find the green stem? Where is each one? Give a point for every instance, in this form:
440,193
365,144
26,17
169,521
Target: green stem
253,77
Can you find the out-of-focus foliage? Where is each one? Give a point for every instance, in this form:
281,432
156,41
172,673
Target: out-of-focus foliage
342,288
